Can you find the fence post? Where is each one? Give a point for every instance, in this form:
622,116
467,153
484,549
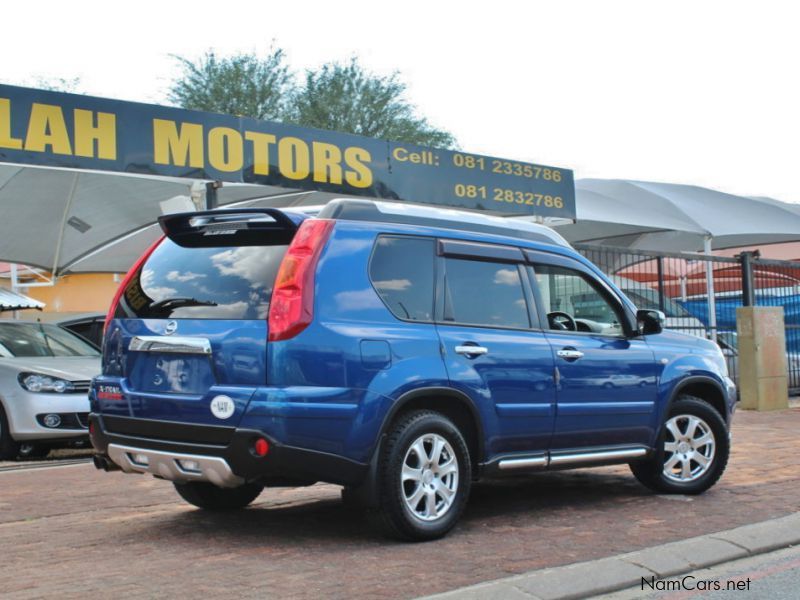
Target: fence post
660,264
748,289
711,299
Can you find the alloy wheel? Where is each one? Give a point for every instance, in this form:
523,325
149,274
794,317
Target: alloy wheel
688,449
429,477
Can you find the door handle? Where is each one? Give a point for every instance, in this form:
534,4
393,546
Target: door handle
569,354
467,350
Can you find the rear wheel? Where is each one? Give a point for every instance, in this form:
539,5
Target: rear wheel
425,477
692,450
9,449
210,497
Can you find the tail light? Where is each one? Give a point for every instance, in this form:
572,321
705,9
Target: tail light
133,270
292,306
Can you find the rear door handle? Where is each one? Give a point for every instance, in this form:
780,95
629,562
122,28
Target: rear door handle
569,354
467,350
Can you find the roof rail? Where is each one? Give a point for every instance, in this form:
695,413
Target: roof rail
414,214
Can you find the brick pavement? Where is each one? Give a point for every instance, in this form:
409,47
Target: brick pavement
74,531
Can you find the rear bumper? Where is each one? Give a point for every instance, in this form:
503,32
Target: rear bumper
224,454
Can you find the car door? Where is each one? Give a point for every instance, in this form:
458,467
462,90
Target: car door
606,389
492,353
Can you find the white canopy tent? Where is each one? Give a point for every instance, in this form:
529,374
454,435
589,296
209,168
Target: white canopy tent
67,221
676,218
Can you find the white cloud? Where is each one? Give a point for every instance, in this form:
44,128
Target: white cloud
506,277
397,285
187,276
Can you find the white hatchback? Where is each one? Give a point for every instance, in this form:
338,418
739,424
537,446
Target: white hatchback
44,382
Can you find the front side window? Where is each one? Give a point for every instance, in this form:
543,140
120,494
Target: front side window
484,293
573,302
401,270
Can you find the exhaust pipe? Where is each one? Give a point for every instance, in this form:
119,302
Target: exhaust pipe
104,464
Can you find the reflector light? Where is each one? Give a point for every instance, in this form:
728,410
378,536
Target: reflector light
261,447
190,465
141,459
291,309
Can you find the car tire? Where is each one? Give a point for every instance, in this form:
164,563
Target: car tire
424,477
692,450
31,451
210,497
9,449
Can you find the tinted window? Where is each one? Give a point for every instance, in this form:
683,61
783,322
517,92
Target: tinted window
203,283
36,339
402,273
571,292
485,293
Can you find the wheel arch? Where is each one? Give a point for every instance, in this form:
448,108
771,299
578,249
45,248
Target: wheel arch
452,403
705,388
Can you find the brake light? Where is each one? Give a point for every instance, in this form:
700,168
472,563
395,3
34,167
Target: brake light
292,306
126,280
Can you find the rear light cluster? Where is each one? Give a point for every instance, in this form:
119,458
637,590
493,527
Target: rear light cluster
291,309
133,270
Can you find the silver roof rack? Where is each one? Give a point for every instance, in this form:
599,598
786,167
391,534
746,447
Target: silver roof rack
414,214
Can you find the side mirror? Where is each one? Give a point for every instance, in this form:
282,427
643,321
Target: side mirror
650,321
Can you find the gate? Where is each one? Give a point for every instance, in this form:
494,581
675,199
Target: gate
678,284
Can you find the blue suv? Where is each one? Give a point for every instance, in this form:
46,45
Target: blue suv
402,352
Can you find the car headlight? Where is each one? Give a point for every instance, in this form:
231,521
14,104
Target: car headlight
35,382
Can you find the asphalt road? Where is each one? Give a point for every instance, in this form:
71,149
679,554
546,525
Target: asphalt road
775,576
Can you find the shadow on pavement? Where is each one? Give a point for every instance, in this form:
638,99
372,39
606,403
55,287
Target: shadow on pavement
321,520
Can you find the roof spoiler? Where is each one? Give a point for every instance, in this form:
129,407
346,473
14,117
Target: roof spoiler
231,227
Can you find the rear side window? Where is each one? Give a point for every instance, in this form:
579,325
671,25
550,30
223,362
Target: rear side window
401,270
225,282
484,293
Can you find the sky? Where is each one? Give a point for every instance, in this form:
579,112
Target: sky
703,93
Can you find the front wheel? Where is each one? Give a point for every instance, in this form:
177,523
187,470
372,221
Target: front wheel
425,477
210,497
692,451
31,451
9,449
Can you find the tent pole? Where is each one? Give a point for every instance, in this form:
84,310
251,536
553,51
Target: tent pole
72,189
712,306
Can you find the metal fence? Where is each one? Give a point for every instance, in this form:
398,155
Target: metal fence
681,286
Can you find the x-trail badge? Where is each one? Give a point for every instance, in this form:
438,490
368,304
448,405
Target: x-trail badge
171,327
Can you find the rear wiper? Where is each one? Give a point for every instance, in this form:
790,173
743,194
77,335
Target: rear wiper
171,303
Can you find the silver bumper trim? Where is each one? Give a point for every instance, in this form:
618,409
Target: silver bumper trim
167,465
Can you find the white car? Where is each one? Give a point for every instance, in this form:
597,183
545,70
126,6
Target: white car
44,382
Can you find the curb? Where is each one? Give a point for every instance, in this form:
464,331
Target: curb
615,573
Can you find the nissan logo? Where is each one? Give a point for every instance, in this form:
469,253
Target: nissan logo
172,327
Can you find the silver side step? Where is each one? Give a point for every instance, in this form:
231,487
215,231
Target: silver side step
573,458
509,464
173,466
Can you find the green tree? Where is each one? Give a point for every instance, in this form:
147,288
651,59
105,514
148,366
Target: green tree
59,84
338,96
242,85
346,97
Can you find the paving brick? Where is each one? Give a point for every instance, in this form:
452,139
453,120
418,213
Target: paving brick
75,531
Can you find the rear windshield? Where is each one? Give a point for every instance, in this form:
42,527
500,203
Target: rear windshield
37,339
225,282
